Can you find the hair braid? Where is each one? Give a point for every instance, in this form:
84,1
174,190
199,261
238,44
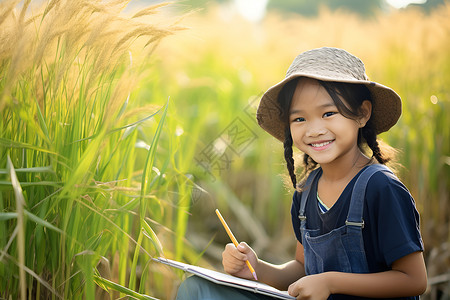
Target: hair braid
309,163
288,155
370,137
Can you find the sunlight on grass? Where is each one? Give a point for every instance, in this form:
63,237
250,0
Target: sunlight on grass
71,120
118,142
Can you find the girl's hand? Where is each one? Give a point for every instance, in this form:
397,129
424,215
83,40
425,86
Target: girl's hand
233,260
310,287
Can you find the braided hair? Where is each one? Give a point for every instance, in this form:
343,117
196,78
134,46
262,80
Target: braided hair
354,95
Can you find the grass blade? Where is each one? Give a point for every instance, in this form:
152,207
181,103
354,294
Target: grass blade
47,169
41,222
153,237
8,216
152,152
102,282
20,203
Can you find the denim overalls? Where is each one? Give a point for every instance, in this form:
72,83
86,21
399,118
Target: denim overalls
341,249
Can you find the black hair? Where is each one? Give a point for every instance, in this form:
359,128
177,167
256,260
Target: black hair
354,95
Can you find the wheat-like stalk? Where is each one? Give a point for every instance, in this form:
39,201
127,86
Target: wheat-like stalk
65,84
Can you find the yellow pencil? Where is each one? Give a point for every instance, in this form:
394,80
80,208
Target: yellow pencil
235,242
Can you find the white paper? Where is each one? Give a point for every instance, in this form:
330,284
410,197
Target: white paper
226,279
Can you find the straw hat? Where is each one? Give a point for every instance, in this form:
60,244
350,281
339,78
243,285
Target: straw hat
330,64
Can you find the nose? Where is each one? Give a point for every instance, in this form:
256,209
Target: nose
315,129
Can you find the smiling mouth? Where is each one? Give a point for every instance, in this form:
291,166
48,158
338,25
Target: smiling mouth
318,145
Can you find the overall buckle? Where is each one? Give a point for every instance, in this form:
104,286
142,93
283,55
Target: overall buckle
302,218
359,224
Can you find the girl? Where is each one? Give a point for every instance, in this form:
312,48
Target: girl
356,224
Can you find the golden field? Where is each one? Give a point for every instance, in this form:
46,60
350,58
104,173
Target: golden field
118,137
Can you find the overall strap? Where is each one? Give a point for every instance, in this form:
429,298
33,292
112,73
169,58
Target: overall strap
305,194
355,212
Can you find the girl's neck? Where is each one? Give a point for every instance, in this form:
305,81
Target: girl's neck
345,169
337,175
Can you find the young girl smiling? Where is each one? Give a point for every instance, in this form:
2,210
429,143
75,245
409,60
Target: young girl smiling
356,224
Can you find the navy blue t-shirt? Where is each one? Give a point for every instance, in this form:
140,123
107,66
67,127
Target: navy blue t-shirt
391,221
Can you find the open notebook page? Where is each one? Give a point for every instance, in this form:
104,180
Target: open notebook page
226,279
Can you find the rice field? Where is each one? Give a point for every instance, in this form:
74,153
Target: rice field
122,130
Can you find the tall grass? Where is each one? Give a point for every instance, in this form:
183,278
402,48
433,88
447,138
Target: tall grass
83,184
110,172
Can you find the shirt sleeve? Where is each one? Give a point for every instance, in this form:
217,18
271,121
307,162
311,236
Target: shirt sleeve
394,217
294,215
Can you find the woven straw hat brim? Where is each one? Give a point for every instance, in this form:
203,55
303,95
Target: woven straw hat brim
386,104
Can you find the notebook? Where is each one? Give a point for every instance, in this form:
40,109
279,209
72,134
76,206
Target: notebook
226,279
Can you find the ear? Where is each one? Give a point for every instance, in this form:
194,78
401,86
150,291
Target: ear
366,112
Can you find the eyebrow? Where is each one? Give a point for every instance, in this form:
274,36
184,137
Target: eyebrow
321,106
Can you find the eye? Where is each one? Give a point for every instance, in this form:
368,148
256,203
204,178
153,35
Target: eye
300,119
329,114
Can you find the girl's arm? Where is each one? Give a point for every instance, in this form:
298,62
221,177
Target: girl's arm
407,278
278,276
281,276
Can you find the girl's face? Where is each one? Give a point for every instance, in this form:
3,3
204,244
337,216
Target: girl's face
319,130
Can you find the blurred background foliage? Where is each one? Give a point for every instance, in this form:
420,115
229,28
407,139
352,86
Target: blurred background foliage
311,8
127,125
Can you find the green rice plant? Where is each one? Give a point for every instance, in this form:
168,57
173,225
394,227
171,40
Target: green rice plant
79,183
112,173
